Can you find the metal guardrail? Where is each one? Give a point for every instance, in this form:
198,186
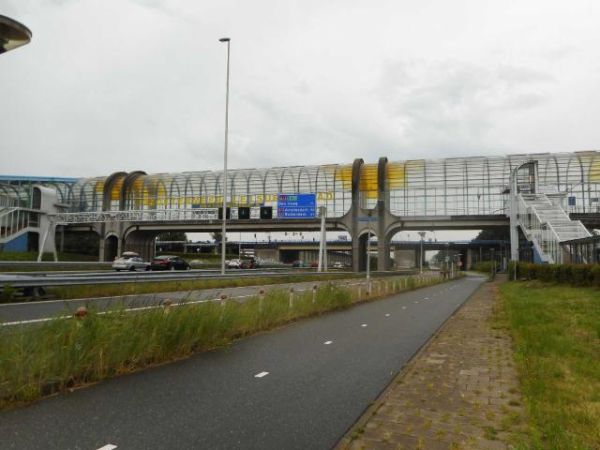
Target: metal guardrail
42,264
24,281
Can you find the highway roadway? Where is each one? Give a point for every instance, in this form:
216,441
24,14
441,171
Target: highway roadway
63,278
297,387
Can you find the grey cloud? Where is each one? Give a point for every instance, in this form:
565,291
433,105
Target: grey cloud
454,104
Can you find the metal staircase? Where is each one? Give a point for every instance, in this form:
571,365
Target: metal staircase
15,221
546,225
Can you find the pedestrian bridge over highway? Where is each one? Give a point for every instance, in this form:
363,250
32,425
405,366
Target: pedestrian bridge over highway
547,192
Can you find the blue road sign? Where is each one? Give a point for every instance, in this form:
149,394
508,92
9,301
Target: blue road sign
296,206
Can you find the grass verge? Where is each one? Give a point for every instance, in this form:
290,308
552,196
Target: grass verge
9,294
556,331
117,289
39,360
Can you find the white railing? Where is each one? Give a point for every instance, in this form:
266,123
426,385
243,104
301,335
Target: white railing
14,220
148,215
546,225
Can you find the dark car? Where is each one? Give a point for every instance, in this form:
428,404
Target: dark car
250,263
167,262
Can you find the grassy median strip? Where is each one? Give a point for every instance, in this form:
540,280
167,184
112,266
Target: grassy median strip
151,287
556,330
38,360
147,286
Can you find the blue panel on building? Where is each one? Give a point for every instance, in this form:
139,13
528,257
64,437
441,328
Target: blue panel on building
18,244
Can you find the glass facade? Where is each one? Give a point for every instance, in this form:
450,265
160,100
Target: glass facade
450,186
332,185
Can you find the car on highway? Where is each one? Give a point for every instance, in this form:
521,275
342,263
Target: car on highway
130,261
337,265
169,262
249,263
299,263
233,264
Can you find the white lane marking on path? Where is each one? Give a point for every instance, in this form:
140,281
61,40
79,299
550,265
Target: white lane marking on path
387,315
108,447
364,325
416,302
426,298
404,307
327,342
262,374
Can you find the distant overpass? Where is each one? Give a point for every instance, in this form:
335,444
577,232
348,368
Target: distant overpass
405,253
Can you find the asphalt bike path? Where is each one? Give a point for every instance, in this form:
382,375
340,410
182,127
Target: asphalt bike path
300,386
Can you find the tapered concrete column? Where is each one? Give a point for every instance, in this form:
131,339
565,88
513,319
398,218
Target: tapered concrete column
383,200
355,212
356,257
383,254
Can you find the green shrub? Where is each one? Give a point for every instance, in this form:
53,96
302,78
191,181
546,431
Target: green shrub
7,292
564,274
483,267
581,275
512,268
595,275
547,272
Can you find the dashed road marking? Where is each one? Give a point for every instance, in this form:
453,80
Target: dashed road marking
327,342
387,315
108,447
426,298
364,325
416,302
404,307
262,374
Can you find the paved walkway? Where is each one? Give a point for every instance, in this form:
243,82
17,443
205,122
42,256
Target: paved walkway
459,392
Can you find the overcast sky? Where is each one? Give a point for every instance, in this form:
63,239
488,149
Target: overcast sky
109,85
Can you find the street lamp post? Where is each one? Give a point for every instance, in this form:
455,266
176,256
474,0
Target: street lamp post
422,234
369,254
224,229
12,34
448,259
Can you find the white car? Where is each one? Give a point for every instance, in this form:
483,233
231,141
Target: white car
233,264
130,261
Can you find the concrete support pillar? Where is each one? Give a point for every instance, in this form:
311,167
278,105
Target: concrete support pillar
469,259
354,215
355,254
383,255
101,250
383,207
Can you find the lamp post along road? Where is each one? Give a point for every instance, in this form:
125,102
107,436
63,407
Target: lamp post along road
224,229
422,234
369,254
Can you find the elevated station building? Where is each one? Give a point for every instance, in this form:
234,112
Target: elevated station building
554,197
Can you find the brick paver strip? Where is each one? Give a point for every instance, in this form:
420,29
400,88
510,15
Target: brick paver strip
459,392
